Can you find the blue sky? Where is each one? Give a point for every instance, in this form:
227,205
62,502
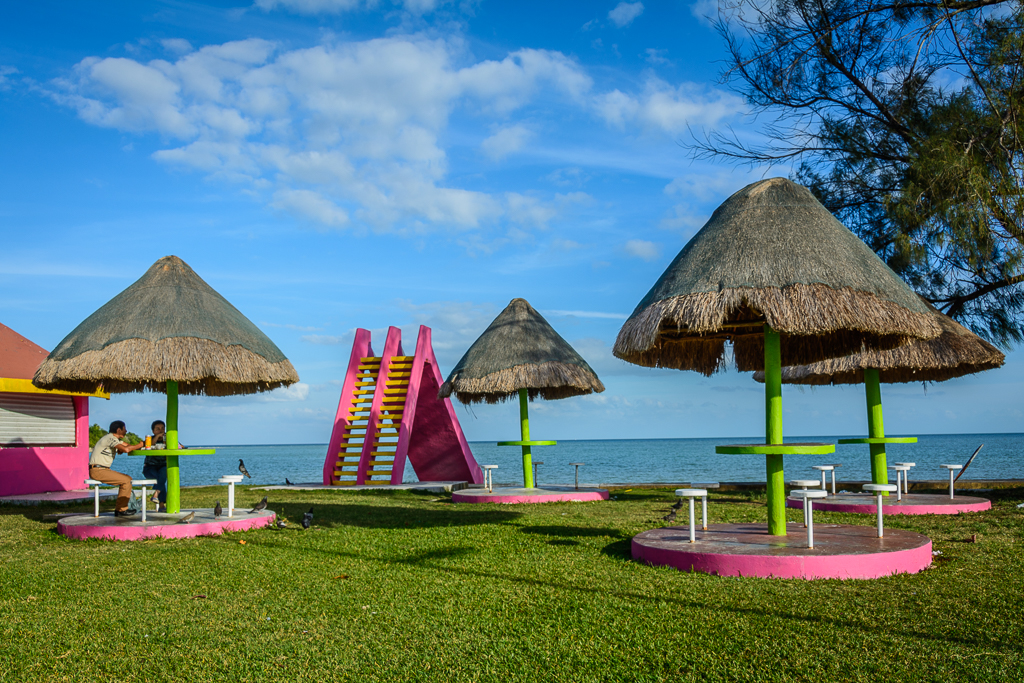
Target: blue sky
334,164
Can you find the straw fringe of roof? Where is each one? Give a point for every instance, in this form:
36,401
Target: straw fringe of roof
816,322
955,353
550,381
200,366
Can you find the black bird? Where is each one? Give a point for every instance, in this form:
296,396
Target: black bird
307,519
678,504
286,482
187,518
670,517
217,510
241,468
262,505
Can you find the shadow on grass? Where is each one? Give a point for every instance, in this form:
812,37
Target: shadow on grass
619,550
428,560
392,517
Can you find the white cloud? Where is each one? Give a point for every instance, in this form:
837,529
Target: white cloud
293,392
178,46
648,251
6,71
669,108
506,141
312,206
625,12
655,56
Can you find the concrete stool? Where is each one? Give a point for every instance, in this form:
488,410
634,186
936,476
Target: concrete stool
953,469
906,484
704,499
578,465
144,483
541,462
691,494
823,469
95,486
488,482
901,471
231,480
808,496
804,484
878,490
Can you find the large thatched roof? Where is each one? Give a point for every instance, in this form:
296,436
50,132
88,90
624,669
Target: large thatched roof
169,325
954,353
771,253
520,350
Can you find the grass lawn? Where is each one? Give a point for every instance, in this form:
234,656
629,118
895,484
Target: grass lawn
406,586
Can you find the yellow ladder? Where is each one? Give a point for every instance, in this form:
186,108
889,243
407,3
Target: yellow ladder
346,469
389,419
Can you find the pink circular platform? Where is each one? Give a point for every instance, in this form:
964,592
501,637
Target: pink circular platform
160,525
912,504
548,494
841,551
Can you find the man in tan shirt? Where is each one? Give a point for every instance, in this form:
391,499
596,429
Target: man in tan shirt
103,454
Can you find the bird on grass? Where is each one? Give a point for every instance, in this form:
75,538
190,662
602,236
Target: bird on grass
307,519
282,523
286,482
678,504
187,518
241,468
217,510
670,517
262,505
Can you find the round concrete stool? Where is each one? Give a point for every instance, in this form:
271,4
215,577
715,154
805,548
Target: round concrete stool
577,465
953,469
901,472
231,480
535,465
808,496
144,483
823,469
691,494
96,486
488,482
878,490
908,465
804,484
704,500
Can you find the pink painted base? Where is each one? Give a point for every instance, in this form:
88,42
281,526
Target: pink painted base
912,504
160,525
548,494
840,551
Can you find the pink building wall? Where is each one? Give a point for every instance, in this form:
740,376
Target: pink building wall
48,468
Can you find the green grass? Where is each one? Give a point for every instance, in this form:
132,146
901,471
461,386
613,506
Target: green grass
406,586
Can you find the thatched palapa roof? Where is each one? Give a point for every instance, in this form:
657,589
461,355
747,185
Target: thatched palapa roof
771,253
954,353
520,350
169,325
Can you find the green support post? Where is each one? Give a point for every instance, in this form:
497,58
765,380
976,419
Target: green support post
876,427
524,430
776,479
173,475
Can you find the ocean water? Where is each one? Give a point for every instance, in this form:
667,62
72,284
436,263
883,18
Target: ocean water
630,461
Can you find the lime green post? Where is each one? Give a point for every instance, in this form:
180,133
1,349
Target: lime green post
173,475
773,432
524,429
876,427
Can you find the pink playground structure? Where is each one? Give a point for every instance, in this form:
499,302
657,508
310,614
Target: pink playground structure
44,435
389,412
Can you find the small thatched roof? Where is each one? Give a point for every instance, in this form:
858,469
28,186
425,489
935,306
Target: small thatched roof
520,350
771,253
954,353
169,325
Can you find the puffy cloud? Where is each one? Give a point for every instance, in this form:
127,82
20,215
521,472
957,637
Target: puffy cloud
337,6
311,205
668,108
648,251
625,12
506,141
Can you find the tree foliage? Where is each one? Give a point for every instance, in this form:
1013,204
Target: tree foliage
96,433
904,119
